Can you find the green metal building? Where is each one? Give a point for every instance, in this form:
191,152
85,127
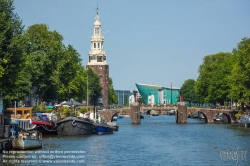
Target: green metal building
154,94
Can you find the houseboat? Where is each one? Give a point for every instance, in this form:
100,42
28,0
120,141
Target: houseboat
74,126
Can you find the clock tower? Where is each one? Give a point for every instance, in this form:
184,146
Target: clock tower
97,60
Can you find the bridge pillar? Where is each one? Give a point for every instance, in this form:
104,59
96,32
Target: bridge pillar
135,114
181,115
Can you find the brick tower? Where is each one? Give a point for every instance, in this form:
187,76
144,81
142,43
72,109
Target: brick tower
97,60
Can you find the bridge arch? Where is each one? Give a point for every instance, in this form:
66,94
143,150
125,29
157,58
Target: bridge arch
209,114
228,117
114,114
133,112
205,116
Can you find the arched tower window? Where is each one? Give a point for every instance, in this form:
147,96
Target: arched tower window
97,31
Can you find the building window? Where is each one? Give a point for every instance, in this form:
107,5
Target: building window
99,58
97,31
89,58
94,45
101,79
104,58
98,45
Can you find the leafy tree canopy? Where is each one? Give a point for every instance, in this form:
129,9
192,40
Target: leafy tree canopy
14,81
188,91
112,98
45,51
212,83
94,87
240,77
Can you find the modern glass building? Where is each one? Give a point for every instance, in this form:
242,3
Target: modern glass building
154,94
123,96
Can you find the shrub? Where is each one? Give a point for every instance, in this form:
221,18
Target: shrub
238,115
83,110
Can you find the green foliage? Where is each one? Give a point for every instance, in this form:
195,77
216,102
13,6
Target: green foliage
44,49
14,81
238,115
112,98
240,77
67,111
56,70
37,59
94,87
188,91
39,108
212,83
83,110
73,84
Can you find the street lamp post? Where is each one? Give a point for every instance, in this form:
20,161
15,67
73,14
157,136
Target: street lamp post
71,105
231,104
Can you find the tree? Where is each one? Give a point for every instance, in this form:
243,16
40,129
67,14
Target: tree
14,81
212,83
240,77
112,98
189,94
94,87
45,52
71,75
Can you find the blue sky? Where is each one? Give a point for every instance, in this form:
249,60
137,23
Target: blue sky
146,41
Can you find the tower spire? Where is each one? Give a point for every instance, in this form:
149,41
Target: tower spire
97,10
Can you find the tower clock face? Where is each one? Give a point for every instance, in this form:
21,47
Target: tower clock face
99,58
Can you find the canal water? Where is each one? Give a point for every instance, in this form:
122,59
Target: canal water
158,140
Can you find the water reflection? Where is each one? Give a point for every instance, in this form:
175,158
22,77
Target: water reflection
157,141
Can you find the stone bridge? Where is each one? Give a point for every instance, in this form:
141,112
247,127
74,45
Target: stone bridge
133,112
181,116
209,114
159,109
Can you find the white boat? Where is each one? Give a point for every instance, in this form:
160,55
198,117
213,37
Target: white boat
113,124
27,140
115,118
171,112
218,117
244,121
200,116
